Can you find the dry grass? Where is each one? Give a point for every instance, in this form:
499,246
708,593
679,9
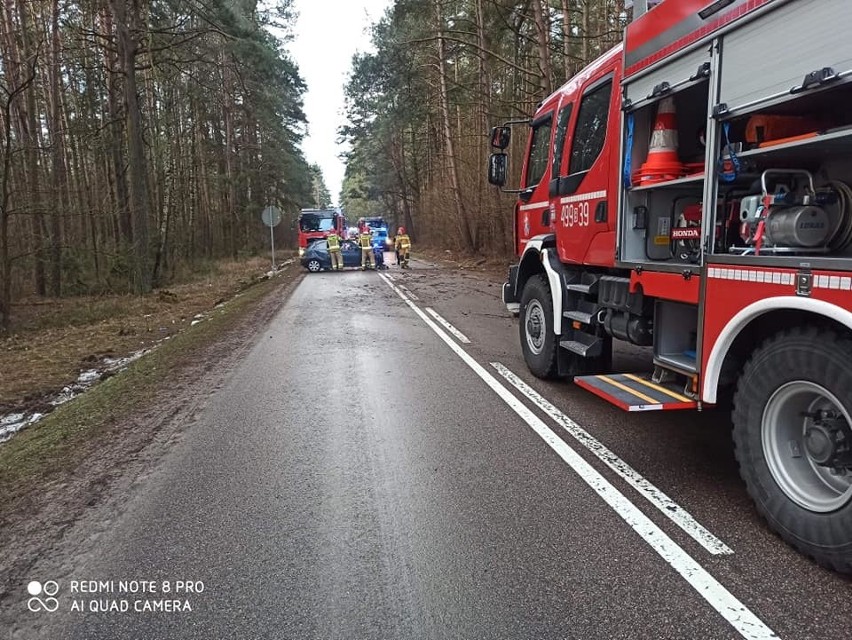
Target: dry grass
61,464
51,341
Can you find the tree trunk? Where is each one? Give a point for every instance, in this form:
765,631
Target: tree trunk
542,30
5,260
455,189
128,25
59,167
116,140
17,80
29,140
231,187
566,39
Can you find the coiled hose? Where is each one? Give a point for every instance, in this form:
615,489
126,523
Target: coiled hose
841,238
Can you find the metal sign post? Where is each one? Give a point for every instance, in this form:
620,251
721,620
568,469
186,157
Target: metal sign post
271,217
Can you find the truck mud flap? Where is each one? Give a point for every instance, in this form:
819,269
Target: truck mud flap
636,392
510,287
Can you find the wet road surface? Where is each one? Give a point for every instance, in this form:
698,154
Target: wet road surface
370,472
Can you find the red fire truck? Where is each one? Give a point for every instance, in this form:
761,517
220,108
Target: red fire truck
316,224
689,192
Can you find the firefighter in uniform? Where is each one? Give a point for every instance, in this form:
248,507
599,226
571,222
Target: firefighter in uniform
333,243
402,243
365,241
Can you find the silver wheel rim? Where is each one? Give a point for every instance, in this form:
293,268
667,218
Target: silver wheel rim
314,266
534,324
806,483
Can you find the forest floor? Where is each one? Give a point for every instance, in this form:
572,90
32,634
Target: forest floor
58,346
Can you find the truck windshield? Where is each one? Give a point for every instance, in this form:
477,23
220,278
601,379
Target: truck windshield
315,223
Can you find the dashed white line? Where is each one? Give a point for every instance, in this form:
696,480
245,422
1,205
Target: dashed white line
458,334
746,623
660,500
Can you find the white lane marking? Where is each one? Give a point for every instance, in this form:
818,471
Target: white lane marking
666,505
717,596
390,277
458,334
407,292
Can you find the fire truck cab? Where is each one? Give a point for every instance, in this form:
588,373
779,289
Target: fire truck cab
691,192
317,224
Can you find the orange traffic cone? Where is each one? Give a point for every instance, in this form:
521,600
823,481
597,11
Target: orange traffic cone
663,162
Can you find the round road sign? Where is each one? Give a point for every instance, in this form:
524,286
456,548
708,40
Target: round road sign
271,216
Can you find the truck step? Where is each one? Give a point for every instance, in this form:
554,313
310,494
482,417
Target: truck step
636,392
579,316
585,289
591,349
588,284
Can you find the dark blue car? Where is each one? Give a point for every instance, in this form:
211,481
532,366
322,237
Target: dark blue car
316,256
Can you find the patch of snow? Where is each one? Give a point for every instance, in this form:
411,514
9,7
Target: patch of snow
12,423
67,393
9,427
88,376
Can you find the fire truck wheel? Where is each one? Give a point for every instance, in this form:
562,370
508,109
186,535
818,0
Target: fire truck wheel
793,441
538,341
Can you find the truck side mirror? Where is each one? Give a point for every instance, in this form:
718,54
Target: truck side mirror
500,137
497,163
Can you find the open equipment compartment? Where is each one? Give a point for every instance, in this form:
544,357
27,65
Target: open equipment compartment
676,335
663,170
784,110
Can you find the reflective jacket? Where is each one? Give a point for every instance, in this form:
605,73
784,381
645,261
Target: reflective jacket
402,242
333,242
365,240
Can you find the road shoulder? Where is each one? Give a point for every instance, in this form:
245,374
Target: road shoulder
95,447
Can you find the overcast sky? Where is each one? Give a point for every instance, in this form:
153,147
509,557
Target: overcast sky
327,34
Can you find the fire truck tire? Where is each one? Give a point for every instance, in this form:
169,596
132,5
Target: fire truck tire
538,341
799,371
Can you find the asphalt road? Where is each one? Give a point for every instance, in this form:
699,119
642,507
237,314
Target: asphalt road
365,474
